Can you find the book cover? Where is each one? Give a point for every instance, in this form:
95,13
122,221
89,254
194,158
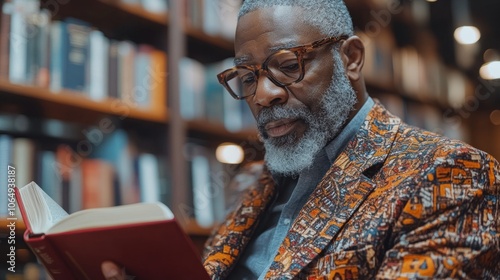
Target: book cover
126,71
97,184
69,54
113,69
143,238
141,93
18,48
148,177
214,95
97,70
158,81
192,88
119,150
42,50
155,6
5,161
5,18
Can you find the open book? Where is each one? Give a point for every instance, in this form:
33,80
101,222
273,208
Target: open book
144,238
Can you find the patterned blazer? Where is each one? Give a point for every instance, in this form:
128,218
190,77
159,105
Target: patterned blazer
398,203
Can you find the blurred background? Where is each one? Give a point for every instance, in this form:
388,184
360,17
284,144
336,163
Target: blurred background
120,98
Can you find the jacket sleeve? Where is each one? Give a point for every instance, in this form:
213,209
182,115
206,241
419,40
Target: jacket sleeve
450,227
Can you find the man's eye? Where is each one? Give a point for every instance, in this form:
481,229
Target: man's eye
247,79
289,67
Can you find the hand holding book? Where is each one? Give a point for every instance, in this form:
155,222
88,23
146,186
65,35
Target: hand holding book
144,238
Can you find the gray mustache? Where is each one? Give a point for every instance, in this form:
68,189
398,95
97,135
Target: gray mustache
278,112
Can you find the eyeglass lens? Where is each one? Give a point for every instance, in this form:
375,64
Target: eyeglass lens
283,67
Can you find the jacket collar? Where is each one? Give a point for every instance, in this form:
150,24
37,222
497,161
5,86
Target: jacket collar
233,235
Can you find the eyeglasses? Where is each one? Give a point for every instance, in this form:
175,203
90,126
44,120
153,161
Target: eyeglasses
283,68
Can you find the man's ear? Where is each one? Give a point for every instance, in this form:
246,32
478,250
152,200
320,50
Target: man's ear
353,55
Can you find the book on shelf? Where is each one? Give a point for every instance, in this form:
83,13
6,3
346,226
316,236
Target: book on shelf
144,238
69,53
5,161
5,18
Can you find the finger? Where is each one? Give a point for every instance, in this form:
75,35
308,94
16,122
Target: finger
111,271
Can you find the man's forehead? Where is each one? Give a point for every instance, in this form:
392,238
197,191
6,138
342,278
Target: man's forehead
267,30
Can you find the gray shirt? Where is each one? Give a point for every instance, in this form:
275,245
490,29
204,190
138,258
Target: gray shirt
292,194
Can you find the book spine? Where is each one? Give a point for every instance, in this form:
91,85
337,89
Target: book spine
5,18
76,43
18,48
49,257
56,56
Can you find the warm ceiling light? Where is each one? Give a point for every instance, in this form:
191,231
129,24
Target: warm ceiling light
229,153
467,35
431,1
490,70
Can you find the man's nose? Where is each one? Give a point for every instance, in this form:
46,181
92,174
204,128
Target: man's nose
268,94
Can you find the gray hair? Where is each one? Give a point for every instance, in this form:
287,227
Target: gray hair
330,16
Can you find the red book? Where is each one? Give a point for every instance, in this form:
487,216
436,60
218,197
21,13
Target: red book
144,238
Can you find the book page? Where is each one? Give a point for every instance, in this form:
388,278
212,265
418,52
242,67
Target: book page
41,210
57,213
113,216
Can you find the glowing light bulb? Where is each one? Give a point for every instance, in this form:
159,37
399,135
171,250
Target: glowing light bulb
229,153
467,35
490,70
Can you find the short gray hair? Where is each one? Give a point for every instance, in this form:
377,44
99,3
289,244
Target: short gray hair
330,16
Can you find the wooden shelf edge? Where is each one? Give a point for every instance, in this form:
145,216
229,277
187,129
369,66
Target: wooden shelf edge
75,99
20,226
139,11
218,41
218,130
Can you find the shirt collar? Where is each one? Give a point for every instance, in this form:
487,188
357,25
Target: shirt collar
335,146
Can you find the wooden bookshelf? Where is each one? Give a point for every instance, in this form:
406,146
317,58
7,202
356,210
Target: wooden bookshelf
218,132
20,226
207,48
108,13
61,104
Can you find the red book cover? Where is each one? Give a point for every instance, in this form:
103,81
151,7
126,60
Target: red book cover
147,250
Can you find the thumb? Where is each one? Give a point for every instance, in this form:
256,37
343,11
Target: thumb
111,271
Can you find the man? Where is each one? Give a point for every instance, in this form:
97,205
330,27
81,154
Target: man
347,191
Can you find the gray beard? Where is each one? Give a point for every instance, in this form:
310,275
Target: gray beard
289,155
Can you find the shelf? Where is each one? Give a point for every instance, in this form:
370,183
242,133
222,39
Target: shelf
217,41
20,226
64,104
219,132
121,13
207,48
138,11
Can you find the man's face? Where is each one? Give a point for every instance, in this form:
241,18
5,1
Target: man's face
295,122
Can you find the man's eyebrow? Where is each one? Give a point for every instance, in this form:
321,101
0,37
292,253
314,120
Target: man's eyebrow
282,46
241,60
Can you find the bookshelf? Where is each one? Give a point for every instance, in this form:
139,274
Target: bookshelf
58,105
156,129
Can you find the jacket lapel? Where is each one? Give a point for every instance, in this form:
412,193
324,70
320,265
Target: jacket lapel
333,202
233,236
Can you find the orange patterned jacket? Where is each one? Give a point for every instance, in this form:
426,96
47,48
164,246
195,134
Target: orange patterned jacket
398,203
